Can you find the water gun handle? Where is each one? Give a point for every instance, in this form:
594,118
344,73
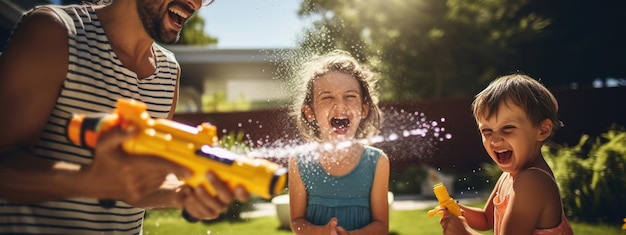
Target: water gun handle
445,201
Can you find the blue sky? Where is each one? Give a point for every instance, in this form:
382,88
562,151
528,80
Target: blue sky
253,24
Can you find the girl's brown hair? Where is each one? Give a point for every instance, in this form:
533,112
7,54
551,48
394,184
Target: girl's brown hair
339,61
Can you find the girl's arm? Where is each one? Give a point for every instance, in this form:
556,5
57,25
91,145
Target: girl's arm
473,218
480,219
379,203
297,205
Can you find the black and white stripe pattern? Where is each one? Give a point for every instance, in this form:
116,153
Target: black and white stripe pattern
95,80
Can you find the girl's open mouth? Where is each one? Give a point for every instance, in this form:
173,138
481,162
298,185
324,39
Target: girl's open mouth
504,157
340,125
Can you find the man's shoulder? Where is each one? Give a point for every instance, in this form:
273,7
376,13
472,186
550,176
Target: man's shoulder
169,54
60,14
60,9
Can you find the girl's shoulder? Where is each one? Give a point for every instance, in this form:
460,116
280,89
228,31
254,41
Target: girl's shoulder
535,174
374,152
534,180
372,148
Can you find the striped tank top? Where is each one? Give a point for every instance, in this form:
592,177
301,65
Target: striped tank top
95,80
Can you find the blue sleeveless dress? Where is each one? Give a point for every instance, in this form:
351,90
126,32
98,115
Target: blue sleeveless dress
346,197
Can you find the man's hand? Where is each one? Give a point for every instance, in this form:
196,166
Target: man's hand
200,204
121,176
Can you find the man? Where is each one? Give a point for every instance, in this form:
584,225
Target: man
80,59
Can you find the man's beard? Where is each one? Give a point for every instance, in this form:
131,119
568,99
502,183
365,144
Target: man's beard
152,20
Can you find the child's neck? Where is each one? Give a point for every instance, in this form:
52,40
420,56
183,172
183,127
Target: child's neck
340,161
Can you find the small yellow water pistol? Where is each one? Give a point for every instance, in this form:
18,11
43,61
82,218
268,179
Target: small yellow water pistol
192,147
444,201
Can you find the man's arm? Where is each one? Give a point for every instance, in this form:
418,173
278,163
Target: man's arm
32,69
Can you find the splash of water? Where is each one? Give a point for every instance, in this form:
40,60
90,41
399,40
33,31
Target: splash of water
400,126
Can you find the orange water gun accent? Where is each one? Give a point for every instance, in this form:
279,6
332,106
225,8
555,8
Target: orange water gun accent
624,226
191,147
444,201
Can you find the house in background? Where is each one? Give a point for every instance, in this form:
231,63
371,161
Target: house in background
221,80
212,80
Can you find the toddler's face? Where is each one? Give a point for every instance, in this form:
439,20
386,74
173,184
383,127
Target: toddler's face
510,138
337,106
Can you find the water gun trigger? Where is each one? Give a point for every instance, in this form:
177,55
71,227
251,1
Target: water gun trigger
196,179
444,199
432,212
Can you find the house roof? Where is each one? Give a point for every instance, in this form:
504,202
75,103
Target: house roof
206,63
208,54
199,64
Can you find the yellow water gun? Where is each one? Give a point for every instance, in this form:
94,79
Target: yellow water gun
444,201
192,147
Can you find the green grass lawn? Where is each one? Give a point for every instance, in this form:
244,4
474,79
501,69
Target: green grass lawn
400,223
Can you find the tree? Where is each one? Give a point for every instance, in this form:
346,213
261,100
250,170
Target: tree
193,33
434,49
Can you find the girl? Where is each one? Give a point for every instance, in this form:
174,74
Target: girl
515,116
341,188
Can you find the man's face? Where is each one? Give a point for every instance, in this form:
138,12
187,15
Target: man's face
164,20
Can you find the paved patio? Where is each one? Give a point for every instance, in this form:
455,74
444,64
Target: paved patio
400,202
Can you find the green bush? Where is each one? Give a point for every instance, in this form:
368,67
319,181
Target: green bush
235,142
408,180
592,176
480,180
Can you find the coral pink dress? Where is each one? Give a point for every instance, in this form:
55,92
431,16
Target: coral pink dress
563,228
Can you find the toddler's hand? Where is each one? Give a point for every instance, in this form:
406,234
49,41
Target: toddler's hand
332,226
452,224
342,231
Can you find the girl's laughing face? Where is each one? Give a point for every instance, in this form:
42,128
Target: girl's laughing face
337,106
